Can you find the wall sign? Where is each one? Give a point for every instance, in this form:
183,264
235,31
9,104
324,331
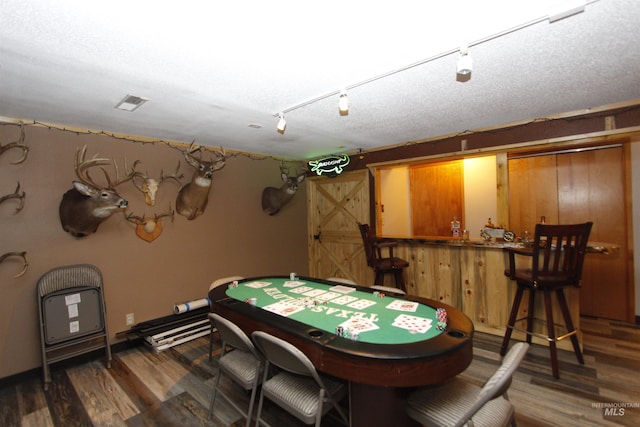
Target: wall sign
331,166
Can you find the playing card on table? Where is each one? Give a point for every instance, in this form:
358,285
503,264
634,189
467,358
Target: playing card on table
258,284
292,283
342,289
328,296
359,325
402,305
283,308
345,299
412,323
361,303
315,292
301,289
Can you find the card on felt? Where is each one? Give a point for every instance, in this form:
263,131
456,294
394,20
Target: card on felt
292,283
314,292
359,324
258,285
361,303
301,289
413,323
283,308
345,299
402,305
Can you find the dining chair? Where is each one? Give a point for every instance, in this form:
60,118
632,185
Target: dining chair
215,284
554,262
242,363
459,402
382,265
297,387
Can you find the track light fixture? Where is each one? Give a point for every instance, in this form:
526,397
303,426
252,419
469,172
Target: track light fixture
282,124
343,103
465,63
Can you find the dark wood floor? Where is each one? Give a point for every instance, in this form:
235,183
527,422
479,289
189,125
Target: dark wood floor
172,388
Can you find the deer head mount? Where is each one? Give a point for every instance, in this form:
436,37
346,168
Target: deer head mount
23,255
19,144
87,204
148,228
273,199
193,197
150,186
15,195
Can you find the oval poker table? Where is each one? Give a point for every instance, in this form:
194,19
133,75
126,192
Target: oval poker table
382,344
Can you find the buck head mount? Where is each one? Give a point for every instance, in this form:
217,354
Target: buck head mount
273,199
149,186
193,197
85,206
19,144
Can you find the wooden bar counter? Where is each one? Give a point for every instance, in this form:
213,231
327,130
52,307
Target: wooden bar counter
470,276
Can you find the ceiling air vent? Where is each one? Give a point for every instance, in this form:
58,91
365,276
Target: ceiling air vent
130,103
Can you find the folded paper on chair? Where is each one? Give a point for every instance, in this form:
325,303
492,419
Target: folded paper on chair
191,305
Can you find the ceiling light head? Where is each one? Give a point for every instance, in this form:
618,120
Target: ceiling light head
343,103
465,63
282,124
130,103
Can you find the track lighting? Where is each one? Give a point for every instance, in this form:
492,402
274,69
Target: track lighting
343,103
465,63
282,124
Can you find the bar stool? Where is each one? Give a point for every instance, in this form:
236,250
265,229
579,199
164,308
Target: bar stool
557,258
382,265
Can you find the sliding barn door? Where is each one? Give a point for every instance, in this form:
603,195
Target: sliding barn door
335,206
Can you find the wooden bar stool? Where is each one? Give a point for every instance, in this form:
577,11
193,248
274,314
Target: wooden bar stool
382,265
557,258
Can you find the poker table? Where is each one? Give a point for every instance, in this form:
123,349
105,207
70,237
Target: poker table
382,344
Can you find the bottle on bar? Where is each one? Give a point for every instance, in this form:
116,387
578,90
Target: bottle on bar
455,228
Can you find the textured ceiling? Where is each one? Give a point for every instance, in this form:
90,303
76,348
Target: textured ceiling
218,72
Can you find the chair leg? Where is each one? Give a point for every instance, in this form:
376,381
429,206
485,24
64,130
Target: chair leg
512,320
551,334
379,280
569,323
399,278
530,313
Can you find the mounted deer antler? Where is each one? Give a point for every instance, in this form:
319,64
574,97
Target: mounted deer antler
22,255
193,197
84,207
149,228
149,186
19,144
15,195
273,199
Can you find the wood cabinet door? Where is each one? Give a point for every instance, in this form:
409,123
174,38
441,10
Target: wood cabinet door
579,187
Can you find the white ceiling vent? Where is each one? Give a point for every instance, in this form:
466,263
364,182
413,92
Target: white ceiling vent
130,103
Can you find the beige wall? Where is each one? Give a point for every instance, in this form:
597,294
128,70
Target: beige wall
233,237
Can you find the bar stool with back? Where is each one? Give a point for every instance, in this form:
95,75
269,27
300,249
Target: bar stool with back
557,258
382,265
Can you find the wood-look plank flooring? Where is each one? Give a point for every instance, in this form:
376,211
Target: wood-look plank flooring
172,388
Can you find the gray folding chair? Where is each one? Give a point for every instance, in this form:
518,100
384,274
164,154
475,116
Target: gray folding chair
461,403
243,364
297,387
215,284
72,314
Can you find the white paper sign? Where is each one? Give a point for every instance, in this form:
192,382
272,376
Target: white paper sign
73,310
74,327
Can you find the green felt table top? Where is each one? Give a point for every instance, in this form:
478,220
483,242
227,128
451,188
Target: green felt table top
379,320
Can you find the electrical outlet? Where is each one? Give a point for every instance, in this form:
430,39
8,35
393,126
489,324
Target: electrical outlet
130,319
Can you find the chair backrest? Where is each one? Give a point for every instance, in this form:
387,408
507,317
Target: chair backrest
285,355
224,280
69,276
499,382
368,239
233,336
559,250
